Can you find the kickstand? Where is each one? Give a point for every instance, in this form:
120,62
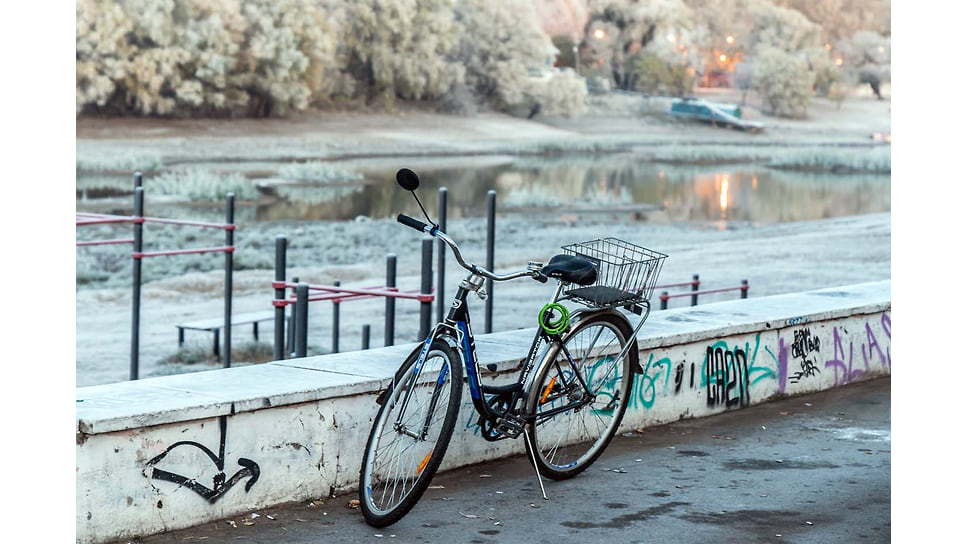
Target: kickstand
534,462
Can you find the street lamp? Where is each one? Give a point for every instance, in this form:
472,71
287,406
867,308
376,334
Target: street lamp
599,33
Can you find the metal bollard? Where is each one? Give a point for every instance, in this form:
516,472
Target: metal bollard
336,321
279,336
426,286
229,243
391,303
139,212
291,335
744,291
302,318
489,263
695,287
365,337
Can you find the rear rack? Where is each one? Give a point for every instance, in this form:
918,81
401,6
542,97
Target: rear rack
627,273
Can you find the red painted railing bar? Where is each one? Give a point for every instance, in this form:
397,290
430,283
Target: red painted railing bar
102,221
380,291
224,226
665,296
141,255
105,242
683,284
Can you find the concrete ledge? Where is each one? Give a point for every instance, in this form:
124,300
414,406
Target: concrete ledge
251,437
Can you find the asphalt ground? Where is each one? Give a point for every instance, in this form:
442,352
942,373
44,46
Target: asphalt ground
810,469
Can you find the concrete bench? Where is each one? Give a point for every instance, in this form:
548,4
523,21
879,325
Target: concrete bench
215,325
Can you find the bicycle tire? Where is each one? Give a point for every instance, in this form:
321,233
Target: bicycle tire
397,467
565,442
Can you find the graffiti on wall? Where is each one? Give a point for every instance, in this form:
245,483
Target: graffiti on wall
728,376
805,349
846,369
848,361
220,485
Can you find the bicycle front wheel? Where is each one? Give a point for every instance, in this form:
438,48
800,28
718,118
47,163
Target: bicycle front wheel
410,435
579,395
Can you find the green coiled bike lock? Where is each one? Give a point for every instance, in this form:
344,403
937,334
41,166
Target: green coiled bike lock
554,325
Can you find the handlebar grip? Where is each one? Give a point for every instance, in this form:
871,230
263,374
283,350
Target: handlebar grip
412,223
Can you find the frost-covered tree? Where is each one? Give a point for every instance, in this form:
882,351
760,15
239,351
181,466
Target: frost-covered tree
618,29
507,57
783,80
399,48
771,26
102,50
867,58
173,57
287,48
841,19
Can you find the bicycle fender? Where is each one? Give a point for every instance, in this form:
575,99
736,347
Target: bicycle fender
626,330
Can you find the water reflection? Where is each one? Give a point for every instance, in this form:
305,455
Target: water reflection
620,184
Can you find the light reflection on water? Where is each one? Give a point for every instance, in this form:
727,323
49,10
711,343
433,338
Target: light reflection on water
717,195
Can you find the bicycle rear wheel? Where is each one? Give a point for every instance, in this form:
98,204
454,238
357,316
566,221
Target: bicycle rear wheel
410,435
579,396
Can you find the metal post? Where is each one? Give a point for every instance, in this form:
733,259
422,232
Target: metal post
365,344
695,287
291,336
229,243
489,284
665,300
442,217
279,336
137,179
336,321
391,303
426,286
744,292
302,318
139,212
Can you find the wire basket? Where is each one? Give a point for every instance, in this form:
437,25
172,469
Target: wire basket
626,272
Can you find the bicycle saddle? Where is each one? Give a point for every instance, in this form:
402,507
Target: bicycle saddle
571,268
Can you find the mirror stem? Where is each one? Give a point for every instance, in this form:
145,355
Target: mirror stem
429,220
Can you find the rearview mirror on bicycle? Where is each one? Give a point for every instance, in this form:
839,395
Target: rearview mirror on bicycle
571,392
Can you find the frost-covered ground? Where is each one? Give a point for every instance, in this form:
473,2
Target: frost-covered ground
775,258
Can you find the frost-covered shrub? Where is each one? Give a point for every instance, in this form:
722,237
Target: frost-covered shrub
561,94
202,185
318,171
399,48
655,75
128,161
783,81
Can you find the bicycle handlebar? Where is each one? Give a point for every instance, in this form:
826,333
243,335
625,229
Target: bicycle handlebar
418,225
415,224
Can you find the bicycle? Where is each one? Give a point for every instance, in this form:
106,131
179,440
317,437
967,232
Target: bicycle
571,393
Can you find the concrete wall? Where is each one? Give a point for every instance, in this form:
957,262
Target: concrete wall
173,452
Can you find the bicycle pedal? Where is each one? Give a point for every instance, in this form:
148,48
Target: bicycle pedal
509,427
